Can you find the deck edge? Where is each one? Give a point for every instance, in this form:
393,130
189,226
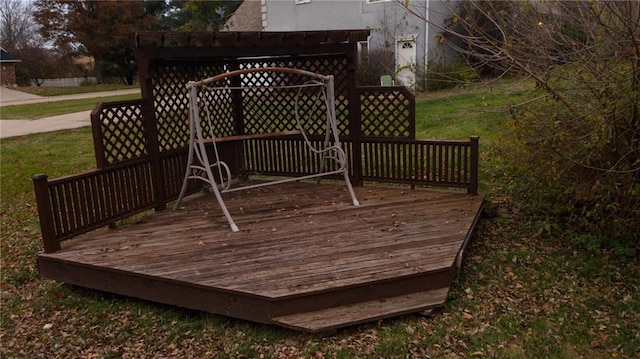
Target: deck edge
358,313
469,235
154,289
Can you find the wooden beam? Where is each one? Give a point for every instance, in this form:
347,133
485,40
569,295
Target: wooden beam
173,39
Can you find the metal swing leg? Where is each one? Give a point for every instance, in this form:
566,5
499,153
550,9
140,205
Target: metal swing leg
216,192
187,173
332,126
201,152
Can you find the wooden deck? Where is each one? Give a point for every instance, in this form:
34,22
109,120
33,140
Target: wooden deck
304,258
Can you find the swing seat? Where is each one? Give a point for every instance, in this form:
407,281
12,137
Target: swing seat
252,136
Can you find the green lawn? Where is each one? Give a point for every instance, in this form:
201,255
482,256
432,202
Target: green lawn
522,292
45,109
57,91
472,110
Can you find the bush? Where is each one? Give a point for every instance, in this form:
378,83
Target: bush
621,246
580,171
440,75
378,63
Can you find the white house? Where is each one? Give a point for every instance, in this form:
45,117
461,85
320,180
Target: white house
408,39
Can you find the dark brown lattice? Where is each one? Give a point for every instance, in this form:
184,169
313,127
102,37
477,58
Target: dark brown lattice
280,116
216,111
171,104
263,109
123,135
385,113
171,100
337,67
270,108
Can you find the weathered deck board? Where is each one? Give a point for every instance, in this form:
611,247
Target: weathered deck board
298,240
362,312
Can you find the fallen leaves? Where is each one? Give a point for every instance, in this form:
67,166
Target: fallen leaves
514,297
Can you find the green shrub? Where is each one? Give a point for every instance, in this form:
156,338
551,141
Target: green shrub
579,171
440,75
621,246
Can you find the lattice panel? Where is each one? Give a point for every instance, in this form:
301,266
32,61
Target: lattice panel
335,66
216,111
385,114
312,111
171,100
268,109
123,135
264,109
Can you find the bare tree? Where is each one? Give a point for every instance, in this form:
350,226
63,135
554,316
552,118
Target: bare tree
575,143
17,28
19,35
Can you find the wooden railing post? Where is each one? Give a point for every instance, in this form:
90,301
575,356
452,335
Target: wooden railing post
43,201
475,159
151,133
411,108
96,129
151,127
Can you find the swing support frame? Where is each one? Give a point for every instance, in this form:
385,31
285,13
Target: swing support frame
200,167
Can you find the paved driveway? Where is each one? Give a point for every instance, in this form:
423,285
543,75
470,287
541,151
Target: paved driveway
13,97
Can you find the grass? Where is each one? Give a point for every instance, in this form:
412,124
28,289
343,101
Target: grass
473,110
57,91
520,294
45,109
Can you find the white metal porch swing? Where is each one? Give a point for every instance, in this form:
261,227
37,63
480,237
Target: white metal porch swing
200,167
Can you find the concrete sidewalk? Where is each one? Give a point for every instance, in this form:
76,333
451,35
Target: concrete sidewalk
12,128
10,97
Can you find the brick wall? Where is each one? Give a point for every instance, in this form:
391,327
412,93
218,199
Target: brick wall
8,75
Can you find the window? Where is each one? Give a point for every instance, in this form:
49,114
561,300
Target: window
376,1
407,45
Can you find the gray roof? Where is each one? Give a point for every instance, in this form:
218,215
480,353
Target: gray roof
7,57
248,17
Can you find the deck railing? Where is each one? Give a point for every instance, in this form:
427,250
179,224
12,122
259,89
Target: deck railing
73,205
136,173
451,164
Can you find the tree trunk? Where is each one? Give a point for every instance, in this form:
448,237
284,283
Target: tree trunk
98,70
